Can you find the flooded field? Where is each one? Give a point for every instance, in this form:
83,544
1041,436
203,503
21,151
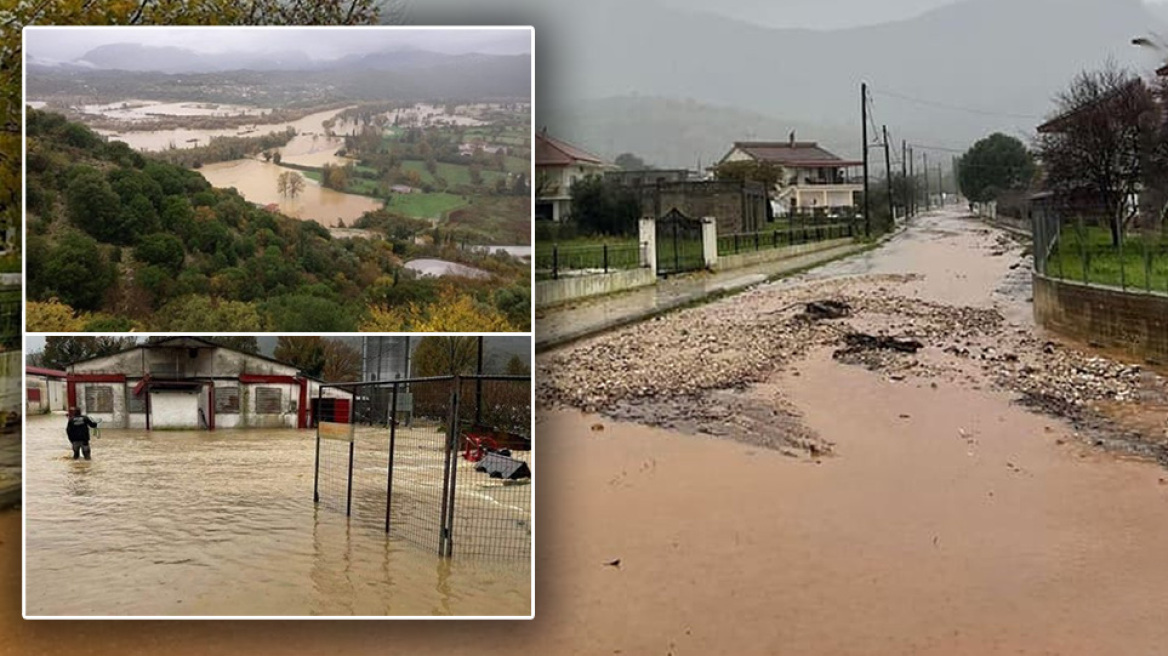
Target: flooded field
223,523
145,110
257,181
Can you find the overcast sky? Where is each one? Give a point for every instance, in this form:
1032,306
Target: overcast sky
810,14
66,44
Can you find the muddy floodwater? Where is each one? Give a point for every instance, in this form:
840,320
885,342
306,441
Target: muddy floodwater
257,181
223,523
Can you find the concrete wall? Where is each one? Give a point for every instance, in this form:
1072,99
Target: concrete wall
555,292
726,262
738,207
1133,322
52,394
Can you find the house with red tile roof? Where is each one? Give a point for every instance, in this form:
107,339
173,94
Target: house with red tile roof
558,164
814,178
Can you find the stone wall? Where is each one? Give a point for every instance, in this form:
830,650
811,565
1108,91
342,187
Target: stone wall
1131,321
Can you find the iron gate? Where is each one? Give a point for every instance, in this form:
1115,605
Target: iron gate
679,244
442,461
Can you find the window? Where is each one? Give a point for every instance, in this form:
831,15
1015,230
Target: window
99,399
227,400
137,405
269,400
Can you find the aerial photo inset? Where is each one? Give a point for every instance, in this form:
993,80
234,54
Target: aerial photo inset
278,179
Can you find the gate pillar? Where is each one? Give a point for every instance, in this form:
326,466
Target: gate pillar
710,241
648,229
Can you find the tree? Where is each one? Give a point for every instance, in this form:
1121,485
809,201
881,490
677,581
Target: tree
289,184
630,162
162,250
52,316
1094,151
277,157
517,367
77,273
244,343
768,173
604,207
342,362
994,164
453,312
304,353
445,356
60,352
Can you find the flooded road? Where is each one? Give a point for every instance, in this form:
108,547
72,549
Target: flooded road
223,523
257,181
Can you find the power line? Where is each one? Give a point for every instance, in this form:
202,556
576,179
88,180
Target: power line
955,108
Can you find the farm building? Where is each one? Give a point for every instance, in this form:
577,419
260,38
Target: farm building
44,390
192,383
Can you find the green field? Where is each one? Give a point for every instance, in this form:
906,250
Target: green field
586,253
454,174
426,206
1089,256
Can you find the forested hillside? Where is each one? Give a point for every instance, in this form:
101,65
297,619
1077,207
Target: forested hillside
118,240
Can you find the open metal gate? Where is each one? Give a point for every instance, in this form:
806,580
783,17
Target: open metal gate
679,244
444,461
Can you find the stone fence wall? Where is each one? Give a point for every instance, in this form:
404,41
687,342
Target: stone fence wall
1134,322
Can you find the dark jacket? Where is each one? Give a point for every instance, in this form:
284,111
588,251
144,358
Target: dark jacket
78,428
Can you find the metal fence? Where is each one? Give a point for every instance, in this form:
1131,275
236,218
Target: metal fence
443,462
780,237
1085,252
556,260
10,309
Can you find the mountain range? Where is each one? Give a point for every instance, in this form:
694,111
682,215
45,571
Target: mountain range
943,78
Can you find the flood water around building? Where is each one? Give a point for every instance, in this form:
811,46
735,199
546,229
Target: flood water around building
196,523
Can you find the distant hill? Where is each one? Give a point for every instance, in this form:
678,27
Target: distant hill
1000,60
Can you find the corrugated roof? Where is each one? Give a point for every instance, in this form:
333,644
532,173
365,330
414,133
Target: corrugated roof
787,153
550,151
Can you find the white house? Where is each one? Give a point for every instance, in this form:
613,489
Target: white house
44,390
814,179
192,383
558,164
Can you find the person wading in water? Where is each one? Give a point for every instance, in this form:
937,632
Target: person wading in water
78,432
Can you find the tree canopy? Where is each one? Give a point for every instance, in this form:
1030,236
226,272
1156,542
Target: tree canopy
995,164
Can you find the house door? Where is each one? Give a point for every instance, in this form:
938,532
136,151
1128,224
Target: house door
174,409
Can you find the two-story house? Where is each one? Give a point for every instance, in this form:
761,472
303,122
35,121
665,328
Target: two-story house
558,164
813,178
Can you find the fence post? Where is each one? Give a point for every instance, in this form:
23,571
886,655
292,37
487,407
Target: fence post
451,431
316,471
392,444
349,492
1147,266
555,261
605,264
736,243
756,241
453,469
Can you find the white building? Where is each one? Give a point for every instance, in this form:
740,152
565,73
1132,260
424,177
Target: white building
813,178
558,165
192,383
44,390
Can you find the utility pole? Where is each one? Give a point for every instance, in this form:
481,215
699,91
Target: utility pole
912,176
940,188
904,177
864,132
926,158
888,174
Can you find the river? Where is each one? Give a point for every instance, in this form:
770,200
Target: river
223,523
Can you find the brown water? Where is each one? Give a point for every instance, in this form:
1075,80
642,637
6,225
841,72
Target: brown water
223,523
257,181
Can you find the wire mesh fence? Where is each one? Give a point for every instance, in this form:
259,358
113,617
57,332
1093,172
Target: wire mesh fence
438,461
791,235
555,260
1086,252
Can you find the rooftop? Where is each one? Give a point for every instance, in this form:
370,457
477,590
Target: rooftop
550,151
792,153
